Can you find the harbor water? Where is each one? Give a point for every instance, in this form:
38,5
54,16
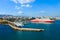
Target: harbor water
51,32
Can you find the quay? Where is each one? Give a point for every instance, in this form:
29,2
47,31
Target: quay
21,29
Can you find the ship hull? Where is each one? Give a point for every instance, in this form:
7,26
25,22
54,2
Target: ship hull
46,21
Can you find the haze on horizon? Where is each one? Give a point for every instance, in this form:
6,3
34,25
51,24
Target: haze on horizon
30,7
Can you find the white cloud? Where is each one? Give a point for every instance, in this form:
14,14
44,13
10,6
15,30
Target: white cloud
15,1
27,5
17,7
20,12
24,3
42,11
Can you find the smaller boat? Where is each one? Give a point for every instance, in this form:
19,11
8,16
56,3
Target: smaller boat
19,24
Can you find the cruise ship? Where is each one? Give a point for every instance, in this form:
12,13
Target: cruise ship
42,20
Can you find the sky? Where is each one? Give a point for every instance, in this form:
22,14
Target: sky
30,7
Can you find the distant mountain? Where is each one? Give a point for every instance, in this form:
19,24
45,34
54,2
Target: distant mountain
5,15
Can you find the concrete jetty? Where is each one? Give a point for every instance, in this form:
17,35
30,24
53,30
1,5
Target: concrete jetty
26,29
21,29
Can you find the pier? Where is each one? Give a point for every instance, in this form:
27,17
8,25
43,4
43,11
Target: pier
21,29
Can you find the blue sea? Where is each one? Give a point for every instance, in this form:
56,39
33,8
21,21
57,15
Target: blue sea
51,32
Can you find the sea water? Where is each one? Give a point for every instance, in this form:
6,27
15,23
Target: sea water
51,32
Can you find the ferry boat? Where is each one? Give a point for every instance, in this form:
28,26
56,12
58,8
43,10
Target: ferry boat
42,20
19,24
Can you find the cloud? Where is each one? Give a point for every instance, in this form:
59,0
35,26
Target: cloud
20,12
42,11
27,5
17,7
15,1
24,3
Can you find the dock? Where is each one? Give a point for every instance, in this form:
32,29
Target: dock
21,29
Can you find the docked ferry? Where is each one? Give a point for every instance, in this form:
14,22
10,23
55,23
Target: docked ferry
42,20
